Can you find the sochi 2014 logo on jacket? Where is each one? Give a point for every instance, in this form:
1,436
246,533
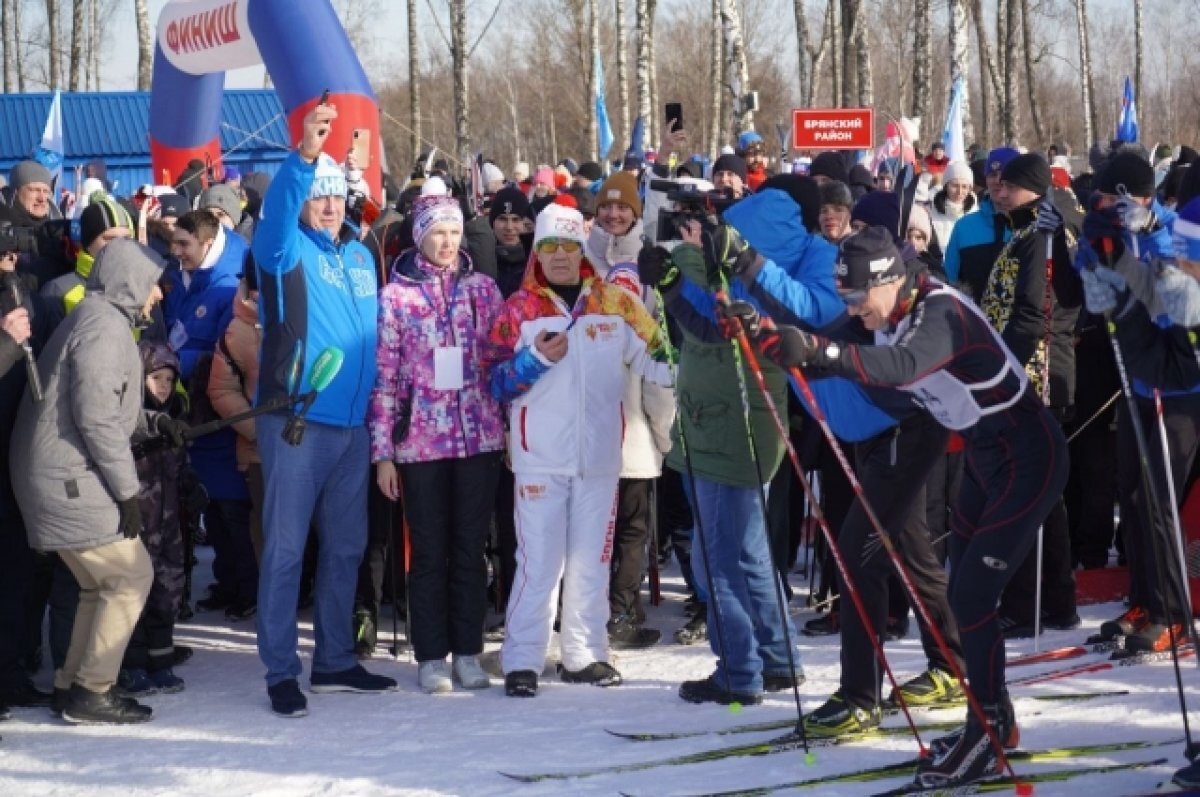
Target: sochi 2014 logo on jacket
531,492
604,330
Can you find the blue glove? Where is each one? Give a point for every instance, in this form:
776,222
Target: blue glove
1179,296
1104,290
1049,219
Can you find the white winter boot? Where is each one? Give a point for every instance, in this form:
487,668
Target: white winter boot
434,676
469,674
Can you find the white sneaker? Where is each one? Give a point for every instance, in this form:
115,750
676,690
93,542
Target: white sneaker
434,677
469,674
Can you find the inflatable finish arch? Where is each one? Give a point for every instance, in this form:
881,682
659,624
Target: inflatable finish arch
305,51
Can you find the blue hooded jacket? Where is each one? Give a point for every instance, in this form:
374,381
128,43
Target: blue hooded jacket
313,293
797,277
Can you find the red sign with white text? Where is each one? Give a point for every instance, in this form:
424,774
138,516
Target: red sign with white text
833,128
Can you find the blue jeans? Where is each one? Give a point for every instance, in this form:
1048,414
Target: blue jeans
743,587
325,476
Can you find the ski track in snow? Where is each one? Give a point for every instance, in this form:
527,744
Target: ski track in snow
218,737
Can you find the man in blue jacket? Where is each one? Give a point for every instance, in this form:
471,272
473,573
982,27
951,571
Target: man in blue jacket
315,292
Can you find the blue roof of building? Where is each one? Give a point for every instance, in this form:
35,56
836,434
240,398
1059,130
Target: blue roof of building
112,126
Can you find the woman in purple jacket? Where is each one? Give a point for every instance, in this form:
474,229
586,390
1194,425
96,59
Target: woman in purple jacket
436,429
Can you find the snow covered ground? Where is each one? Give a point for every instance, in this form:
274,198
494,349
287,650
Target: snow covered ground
219,738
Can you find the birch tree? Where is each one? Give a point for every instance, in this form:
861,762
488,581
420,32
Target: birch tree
922,59
642,13
52,32
1085,70
837,52
462,97
739,73
593,81
145,37
77,33
1007,49
414,82
1139,47
6,32
803,54
960,63
1035,115
849,67
716,70
862,53
622,73
16,16
989,76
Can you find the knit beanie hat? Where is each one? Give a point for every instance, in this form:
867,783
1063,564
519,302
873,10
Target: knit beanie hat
804,191
1185,233
831,165
1030,171
222,197
621,187
730,163
589,170
431,210
560,222
27,172
585,200
860,176
918,219
490,173
998,158
508,201
544,176
879,209
329,180
835,193
103,214
1126,173
866,259
958,170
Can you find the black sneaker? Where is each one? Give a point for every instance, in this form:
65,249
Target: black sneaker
695,631
710,690
838,717
625,633
181,654
355,679
364,634
241,610
972,757
494,633
598,673
287,700
84,706
521,683
782,681
215,601
823,626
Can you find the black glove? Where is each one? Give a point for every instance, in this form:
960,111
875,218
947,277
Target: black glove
175,431
131,518
192,495
654,267
746,265
735,317
1049,219
789,347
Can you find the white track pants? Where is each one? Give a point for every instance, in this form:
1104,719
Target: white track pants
564,532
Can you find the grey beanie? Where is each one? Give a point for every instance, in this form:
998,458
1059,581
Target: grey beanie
222,197
27,172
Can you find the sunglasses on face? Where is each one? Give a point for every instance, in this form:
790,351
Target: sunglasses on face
552,245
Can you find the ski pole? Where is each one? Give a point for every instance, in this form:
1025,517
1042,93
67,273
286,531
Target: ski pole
691,482
1183,569
851,588
1047,314
781,603
902,571
1151,494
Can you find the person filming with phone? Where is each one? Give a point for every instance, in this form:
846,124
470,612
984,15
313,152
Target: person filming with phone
314,292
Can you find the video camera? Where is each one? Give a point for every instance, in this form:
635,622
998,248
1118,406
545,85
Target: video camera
17,239
690,203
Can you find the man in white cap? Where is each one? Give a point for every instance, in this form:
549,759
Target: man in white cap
314,292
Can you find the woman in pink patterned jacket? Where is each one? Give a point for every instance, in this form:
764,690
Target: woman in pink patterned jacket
436,428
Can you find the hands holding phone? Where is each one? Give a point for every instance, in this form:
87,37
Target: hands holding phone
317,124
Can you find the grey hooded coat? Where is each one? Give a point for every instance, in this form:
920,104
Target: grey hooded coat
70,455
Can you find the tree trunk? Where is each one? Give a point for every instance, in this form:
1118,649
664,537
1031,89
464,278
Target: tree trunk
716,69
642,67
462,99
960,62
145,37
52,28
819,54
862,48
1139,48
739,76
1085,68
414,82
515,115
77,31
1035,115
6,32
989,76
17,49
838,56
1011,49
622,133
653,125
922,59
849,54
803,54
593,122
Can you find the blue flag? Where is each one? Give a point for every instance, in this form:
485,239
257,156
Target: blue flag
635,138
603,128
952,133
51,152
1127,126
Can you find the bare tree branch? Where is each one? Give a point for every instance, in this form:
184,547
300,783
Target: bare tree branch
482,33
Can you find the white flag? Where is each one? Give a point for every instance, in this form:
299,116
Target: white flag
50,153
